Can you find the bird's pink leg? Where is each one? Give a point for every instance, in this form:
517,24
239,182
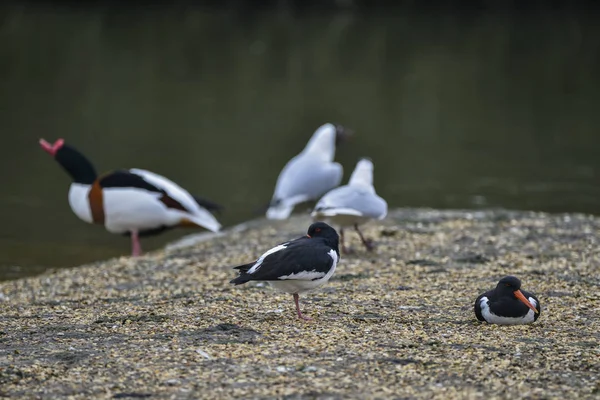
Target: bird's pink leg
344,248
367,242
298,309
136,247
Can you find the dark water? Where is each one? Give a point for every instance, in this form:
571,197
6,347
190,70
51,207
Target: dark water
477,111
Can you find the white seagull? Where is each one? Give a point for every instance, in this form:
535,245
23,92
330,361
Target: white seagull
353,204
297,266
310,174
132,202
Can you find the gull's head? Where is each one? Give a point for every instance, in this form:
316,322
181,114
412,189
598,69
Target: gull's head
342,134
363,172
325,139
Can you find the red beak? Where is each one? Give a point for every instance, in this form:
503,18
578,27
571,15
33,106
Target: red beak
520,296
52,148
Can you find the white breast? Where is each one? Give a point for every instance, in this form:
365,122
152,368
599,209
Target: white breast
492,318
78,200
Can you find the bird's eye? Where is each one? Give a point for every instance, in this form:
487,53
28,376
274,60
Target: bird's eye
507,284
318,230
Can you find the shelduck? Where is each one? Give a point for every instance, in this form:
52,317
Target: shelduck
133,202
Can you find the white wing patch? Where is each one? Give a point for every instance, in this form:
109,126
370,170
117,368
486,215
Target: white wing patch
258,263
315,275
492,318
304,275
305,281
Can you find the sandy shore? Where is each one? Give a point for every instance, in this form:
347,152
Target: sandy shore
395,323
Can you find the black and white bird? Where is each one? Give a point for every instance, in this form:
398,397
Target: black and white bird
507,304
297,266
353,204
309,174
133,202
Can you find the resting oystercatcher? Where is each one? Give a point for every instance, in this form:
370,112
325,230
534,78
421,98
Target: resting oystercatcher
353,204
298,266
133,202
507,304
310,174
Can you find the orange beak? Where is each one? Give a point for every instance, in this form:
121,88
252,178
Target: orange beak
308,236
520,296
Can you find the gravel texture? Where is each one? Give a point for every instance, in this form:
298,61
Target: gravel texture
395,323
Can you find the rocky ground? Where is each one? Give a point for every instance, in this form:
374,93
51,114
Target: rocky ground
395,323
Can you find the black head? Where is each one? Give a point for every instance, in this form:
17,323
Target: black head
342,134
322,230
75,163
509,284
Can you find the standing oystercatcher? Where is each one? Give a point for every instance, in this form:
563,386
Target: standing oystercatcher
507,304
133,202
298,266
353,204
310,174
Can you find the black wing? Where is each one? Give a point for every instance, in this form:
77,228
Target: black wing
125,179
247,267
300,255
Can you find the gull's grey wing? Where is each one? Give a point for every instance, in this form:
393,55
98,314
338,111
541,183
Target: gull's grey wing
308,178
361,199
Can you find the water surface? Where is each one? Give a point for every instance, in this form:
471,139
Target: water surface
477,111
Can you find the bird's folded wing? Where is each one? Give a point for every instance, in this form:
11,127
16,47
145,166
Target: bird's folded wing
350,200
174,191
302,260
126,180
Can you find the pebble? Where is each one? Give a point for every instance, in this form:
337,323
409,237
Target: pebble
394,323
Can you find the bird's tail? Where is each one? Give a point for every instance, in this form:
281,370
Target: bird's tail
282,208
209,205
243,277
203,219
280,211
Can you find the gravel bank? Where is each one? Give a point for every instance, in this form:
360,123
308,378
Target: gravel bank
396,323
